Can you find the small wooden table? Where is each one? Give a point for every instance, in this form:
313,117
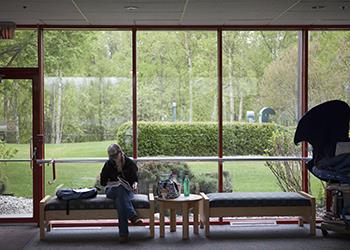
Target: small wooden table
184,204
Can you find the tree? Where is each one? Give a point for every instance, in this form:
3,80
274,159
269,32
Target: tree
63,54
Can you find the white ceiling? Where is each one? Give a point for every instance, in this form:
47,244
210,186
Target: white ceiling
176,12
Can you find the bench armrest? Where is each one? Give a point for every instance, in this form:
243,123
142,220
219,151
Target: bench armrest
151,197
205,197
306,195
45,199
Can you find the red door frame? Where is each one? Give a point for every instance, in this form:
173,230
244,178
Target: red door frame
29,74
304,101
37,77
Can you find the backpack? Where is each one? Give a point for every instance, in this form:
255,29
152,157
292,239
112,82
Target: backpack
169,187
68,194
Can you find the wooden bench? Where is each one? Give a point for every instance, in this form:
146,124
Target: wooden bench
239,204
96,208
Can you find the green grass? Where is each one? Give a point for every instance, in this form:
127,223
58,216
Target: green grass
246,176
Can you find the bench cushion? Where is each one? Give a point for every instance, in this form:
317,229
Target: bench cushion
257,199
99,202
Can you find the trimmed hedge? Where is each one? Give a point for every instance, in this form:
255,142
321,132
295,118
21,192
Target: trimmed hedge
197,139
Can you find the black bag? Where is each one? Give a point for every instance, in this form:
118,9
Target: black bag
68,194
169,187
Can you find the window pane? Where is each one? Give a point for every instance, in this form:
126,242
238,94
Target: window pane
177,93
87,95
16,179
21,51
260,108
329,71
329,67
73,175
248,176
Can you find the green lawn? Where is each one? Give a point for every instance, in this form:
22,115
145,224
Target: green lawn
246,176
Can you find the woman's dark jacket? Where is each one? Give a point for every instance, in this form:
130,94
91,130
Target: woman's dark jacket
110,173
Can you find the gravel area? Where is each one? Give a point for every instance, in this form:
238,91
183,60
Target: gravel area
12,205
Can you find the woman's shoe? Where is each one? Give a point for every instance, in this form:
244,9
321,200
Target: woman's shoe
136,221
123,239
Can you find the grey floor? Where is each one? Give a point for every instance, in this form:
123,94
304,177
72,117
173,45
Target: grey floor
222,237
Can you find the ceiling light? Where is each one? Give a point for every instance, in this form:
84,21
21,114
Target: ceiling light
131,8
318,7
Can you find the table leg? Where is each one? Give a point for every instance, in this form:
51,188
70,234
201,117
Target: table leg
172,220
161,219
195,217
184,221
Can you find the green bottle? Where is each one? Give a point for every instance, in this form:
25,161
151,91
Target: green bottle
186,186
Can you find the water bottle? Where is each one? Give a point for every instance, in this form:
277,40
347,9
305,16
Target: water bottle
186,186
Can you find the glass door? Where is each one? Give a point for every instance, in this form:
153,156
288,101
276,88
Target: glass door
16,175
21,181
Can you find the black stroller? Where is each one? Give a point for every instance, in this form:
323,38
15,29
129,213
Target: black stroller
326,128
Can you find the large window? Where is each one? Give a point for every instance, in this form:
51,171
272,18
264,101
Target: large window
329,75
260,107
88,98
177,99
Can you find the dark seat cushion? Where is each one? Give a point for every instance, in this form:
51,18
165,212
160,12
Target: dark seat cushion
257,199
99,202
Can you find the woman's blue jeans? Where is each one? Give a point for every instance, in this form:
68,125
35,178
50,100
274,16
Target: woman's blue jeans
122,199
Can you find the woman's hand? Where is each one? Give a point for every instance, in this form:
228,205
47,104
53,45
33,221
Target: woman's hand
134,187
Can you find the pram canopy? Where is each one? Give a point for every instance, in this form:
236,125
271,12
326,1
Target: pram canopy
323,126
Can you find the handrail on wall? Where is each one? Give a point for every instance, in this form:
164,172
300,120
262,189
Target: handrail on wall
160,159
188,159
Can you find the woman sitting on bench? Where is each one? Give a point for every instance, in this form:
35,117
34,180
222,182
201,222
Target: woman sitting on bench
119,175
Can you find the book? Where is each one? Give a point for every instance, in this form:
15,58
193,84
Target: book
119,182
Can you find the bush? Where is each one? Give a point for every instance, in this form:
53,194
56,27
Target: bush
152,172
208,182
196,139
287,173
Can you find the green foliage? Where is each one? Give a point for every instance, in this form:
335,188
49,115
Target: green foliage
208,182
21,51
288,173
196,139
5,153
152,172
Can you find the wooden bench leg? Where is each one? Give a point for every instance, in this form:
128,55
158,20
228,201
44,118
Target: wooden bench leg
206,218
205,213
151,214
151,225
42,222
313,217
42,232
